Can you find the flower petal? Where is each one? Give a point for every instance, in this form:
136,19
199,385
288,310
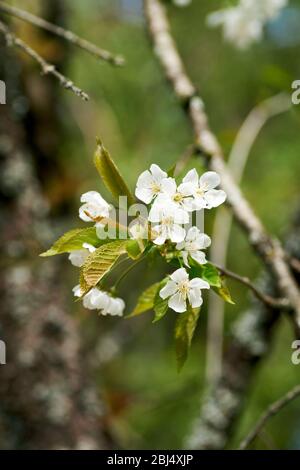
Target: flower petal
198,256
198,283
168,186
78,257
179,275
177,233
195,298
89,247
177,303
191,177
209,180
169,289
203,241
215,197
157,173
144,194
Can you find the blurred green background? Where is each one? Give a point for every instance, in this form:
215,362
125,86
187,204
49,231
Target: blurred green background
140,122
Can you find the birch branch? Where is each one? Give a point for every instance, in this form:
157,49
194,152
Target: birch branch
269,249
47,69
63,33
237,161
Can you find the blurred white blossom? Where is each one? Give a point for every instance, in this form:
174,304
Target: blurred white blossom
96,299
94,209
243,24
78,257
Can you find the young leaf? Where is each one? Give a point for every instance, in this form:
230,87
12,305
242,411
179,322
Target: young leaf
110,174
208,272
160,305
224,293
145,301
135,248
171,171
184,331
101,261
73,240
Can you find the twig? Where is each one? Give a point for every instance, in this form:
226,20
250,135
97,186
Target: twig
271,411
47,69
268,248
281,304
63,33
237,161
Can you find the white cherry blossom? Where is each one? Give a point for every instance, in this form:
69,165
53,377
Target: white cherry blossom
194,242
203,189
78,257
179,197
243,24
96,299
168,221
149,184
180,289
94,209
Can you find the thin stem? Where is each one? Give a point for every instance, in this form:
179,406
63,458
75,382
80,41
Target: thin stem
63,33
47,69
271,411
281,304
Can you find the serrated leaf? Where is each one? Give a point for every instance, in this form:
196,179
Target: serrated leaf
184,331
135,248
73,240
224,293
145,301
110,174
100,262
160,305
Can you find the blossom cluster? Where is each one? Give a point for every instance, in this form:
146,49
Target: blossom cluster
243,24
169,208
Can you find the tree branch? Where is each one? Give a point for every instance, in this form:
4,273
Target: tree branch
268,248
281,304
47,69
275,408
237,161
63,33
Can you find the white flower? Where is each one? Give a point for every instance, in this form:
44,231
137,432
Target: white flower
180,289
243,24
138,230
149,184
170,194
78,257
169,221
203,189
194,241
94,209
96,299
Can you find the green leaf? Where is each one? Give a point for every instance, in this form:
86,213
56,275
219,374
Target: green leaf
100,262
171,171
208,272
224,293
145,301
73,240
110,174
160,305
184,331
135,248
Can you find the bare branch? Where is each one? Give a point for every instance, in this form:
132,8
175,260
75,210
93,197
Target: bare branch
47,69
237,161
275,408
268,248
281,304
63,33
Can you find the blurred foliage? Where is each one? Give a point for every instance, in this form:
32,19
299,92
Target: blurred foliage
133,110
